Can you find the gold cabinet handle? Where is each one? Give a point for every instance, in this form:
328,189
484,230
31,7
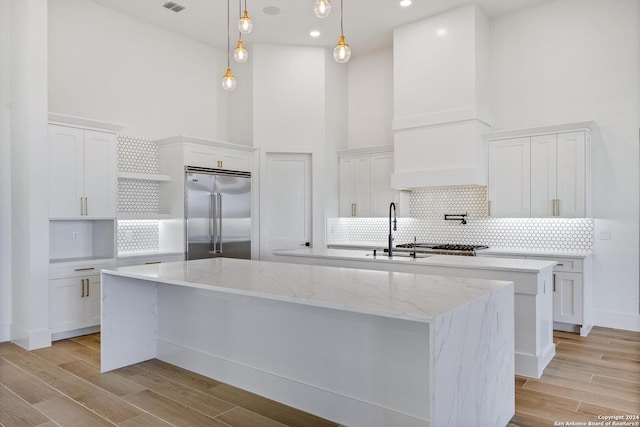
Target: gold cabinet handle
554,283
82,296
85,269
87,286
353,209
488,207
86,206
557,207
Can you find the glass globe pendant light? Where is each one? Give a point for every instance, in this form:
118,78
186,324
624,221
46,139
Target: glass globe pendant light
244,24
322,8
228,81
240,54
342,52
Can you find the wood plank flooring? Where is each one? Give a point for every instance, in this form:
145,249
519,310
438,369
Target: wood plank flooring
62,386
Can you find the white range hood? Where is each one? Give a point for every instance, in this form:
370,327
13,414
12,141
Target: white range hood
441,100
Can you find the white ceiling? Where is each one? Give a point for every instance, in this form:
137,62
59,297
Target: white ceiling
368,24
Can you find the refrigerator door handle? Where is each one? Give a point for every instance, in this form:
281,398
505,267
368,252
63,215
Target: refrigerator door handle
212,226
219,223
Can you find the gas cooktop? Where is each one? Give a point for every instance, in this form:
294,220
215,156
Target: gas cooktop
440,248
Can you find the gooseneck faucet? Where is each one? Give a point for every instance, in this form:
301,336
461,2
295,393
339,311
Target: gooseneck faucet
392,206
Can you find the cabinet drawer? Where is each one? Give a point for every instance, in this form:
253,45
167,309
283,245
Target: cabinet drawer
570,265
149,260
78,269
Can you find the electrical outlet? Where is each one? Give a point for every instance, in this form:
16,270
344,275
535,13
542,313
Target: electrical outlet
128,236
74,235
605,235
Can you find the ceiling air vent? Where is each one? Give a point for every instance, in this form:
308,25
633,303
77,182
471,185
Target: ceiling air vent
173,6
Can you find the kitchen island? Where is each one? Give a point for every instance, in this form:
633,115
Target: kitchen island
533,287
362,348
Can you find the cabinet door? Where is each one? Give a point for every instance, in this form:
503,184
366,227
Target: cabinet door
100,151
347,186
202,156
235,160
92,301
510,178
66,180
381,192
362,190
67,309
571,187
543,175
567,298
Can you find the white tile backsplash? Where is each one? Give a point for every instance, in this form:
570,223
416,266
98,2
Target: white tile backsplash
427,224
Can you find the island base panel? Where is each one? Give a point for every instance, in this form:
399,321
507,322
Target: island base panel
352,368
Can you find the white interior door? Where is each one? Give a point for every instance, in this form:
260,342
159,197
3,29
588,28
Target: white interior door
286,205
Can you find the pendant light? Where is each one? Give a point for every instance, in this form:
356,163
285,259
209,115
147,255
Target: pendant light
244,24
228,81
342,52
322,8
240,54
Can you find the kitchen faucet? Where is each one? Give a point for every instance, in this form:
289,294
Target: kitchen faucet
395,227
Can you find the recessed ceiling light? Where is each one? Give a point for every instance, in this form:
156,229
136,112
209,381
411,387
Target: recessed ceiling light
315,33
271,10
441,32
405,3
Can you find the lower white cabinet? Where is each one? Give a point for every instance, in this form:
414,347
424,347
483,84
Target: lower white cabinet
74,297
571,292
157,259
75,303
567,297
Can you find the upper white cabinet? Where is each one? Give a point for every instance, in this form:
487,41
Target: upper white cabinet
82,173
365,182
509,187
207,156
543,174
354,185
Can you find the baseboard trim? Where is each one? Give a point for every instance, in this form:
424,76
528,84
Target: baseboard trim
533,366
5,332
610,319
74,333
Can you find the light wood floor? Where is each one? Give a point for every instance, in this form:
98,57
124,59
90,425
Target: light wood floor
61,385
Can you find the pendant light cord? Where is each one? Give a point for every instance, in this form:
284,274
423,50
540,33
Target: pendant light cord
341,29
228,31
240,14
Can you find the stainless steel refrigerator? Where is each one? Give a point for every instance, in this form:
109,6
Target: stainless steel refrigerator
218,213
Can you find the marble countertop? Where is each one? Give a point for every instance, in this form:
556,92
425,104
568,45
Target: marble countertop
415,297
486,263
569,253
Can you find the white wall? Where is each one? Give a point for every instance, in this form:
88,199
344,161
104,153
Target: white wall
299,105
240,102
370,99
288,96
29,160
107,66
5,175
575,60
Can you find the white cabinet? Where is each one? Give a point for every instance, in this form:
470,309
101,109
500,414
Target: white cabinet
216,157
509,178
82,173
75,303
540,172
365,182
157,259
354,186
74,297
558,175
571,292
567,297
